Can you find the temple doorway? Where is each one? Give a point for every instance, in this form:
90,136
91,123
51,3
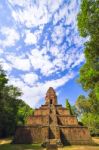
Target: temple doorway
50,101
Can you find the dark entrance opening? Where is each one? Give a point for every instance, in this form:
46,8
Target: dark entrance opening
50,101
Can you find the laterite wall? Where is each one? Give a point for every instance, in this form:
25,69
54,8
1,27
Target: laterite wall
31,135
42,111
38,120
61,111
67,120
75,135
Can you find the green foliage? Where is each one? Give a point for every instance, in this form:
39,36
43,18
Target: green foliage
96,90
10,106
88,17
23,112
8,146
88,25
92,122
88,109
75,111
3,79
87,105
82,104
68,106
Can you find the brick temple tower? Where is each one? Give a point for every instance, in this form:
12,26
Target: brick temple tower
51,97
52,124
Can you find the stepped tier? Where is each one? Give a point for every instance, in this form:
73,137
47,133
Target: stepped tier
52,123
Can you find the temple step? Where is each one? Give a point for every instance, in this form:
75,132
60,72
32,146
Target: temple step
52,147
53,141
51,133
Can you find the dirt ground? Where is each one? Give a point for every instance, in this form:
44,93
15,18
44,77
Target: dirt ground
83,147
5,145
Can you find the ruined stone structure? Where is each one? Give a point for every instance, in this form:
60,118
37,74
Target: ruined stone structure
52,123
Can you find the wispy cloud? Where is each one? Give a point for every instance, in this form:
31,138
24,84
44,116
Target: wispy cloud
37,91
40,45
18,62
9,36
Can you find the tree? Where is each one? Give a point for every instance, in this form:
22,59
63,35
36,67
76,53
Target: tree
88,19
91,120
68,106
10,106
23,112
88,109
82,104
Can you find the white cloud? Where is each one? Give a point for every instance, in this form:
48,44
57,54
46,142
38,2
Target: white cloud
55,51
71,15
41,50
19,63
1,51
34,13
6,66
31,15
60,14
30,38
11,36
58,34
80,59
53,5
30,78
41,61
19,2
59,82
32,95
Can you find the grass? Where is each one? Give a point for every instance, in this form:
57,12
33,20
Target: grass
5,145
20,147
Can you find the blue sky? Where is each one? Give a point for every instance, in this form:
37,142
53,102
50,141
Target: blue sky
40,47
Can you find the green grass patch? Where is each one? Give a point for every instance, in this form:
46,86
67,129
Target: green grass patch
21,147
5,144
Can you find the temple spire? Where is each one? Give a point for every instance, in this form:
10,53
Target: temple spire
51,97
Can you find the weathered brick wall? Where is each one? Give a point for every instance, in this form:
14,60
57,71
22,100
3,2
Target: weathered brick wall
45,133
51,96
31,134
23,135
61,111
38,120
75,135
41,112
67,120
44,106
39,134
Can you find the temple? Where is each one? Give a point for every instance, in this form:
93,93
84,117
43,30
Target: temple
52,124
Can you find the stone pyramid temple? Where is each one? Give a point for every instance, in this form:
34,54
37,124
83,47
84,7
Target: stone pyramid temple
53,124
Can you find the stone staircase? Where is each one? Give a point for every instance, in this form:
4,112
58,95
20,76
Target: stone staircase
54,132
52,147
